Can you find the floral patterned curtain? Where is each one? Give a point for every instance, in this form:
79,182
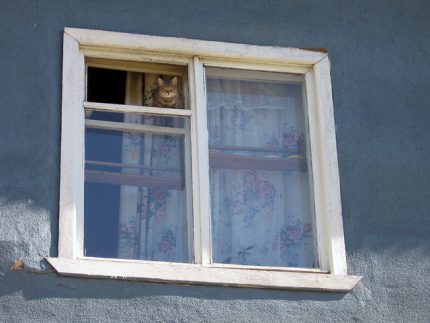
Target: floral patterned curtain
153,223
259,216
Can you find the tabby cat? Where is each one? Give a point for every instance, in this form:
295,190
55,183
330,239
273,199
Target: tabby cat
167,94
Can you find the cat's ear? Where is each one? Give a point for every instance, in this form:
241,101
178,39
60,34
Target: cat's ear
174,81
160,82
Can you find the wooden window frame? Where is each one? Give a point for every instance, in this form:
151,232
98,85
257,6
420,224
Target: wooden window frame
130,51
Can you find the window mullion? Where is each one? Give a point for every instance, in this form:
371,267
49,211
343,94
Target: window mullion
201,200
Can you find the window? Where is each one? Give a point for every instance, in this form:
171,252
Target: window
198,162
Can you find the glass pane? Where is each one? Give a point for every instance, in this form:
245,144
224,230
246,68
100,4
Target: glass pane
261,202
135,189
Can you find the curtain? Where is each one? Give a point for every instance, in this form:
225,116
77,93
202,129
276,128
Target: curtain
152,217
259,216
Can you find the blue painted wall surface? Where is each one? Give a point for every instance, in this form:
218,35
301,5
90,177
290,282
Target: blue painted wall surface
380,54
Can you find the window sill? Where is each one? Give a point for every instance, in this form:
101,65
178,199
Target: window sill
203,275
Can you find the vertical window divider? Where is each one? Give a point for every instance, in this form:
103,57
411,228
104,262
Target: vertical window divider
194,166
200,159
189,190
188,169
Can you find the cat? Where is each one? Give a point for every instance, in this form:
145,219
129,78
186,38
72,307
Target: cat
167,94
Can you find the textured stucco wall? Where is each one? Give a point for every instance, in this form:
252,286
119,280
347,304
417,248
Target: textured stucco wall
380,70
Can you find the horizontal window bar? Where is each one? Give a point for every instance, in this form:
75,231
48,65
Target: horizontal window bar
133,180
123,108
124,165
254,76
142,67
271,268
120,126
292,163
258,149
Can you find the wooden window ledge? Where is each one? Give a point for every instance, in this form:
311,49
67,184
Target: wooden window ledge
223,275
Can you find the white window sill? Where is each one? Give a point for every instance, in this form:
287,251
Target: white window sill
203,275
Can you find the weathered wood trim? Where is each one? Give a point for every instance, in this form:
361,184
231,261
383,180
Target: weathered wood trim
70,242
198,274
194,165
263,71
201,159
329,171
133,56
192,47
133,127
133,66
124,108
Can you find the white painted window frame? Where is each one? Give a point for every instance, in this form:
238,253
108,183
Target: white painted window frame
81,44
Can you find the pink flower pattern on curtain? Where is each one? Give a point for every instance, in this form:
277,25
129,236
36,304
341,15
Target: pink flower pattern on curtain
259,216
153,218
152,221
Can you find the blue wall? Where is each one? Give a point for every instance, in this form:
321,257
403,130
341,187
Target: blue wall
380,54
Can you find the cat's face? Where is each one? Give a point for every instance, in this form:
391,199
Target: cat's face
167,90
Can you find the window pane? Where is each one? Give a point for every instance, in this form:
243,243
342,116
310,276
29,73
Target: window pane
135,188
261,203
